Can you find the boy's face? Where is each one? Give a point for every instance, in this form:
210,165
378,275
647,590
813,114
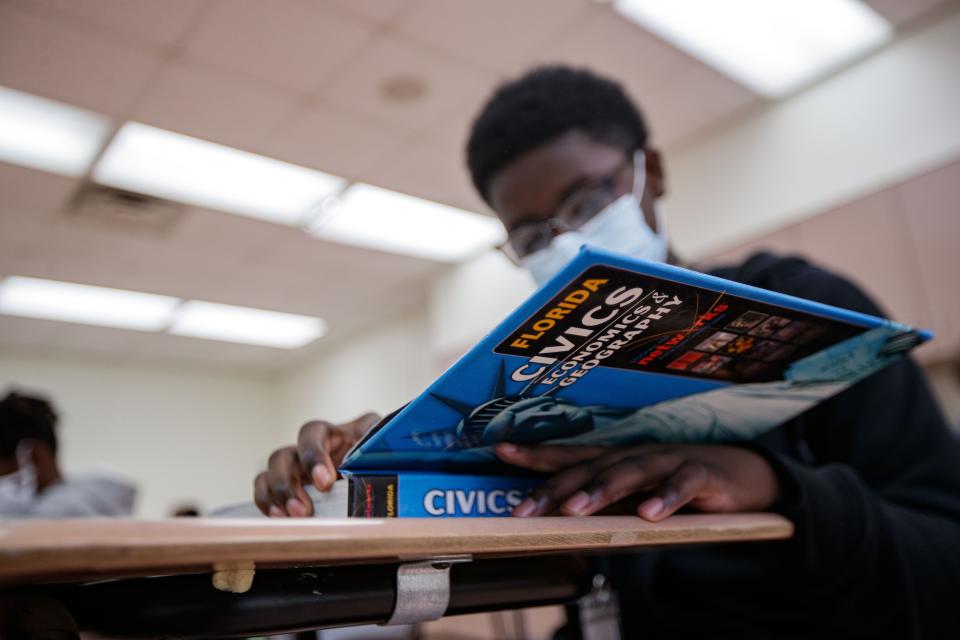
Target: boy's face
534,186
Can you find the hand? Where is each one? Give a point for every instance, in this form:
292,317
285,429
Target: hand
711,478
279,491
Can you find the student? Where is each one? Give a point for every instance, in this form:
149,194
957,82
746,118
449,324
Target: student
870,478
31,484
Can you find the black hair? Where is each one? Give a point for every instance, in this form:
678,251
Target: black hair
542,105
26,418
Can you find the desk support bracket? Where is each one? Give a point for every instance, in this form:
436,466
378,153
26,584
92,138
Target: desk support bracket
423,590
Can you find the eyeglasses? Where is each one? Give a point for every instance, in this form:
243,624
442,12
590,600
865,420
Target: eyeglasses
573,212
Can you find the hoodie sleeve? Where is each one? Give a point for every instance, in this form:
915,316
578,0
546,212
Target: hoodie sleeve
86,496
878,516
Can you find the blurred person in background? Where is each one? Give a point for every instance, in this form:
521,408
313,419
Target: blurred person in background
870,478
31,483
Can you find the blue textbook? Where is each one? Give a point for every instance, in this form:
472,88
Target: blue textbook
613,350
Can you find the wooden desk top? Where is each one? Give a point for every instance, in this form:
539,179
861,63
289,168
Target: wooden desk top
35,551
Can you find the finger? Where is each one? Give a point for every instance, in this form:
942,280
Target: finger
266,503
557,489
285,484
302,507
682,487
340,439
313,444
261,495
359,426
546,458
617,481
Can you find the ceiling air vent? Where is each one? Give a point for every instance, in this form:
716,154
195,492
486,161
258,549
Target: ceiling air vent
124,210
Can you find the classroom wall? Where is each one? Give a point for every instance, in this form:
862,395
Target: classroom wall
469,300
898,243
201,435
890,116
196,435
377,369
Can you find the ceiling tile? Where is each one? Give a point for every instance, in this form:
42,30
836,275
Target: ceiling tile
156,23
493,33
430,168
448,84
929,208
454,130
884,266
678,94
378,10
694,99
901,13
27,190
209,255
149,347
46,57
242,62
212,104
331,140
287,43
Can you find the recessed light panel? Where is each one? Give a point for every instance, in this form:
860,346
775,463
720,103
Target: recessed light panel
86,304
177,167
47,135
772,46
381,219
198,319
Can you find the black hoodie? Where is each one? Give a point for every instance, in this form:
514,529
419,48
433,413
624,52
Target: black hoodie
871,480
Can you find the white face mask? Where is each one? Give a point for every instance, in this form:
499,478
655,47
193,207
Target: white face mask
19,487
620,226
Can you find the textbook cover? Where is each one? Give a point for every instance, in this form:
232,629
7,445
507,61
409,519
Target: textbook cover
615,350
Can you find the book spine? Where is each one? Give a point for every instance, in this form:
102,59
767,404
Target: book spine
372,495
429,495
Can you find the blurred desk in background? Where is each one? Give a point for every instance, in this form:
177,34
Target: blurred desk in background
137,577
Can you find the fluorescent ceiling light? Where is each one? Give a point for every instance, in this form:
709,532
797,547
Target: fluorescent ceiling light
47,135
772,46
86,304
67,302
389,221
174,166
250,326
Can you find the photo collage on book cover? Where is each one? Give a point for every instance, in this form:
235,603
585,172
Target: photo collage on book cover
753,346
710,334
